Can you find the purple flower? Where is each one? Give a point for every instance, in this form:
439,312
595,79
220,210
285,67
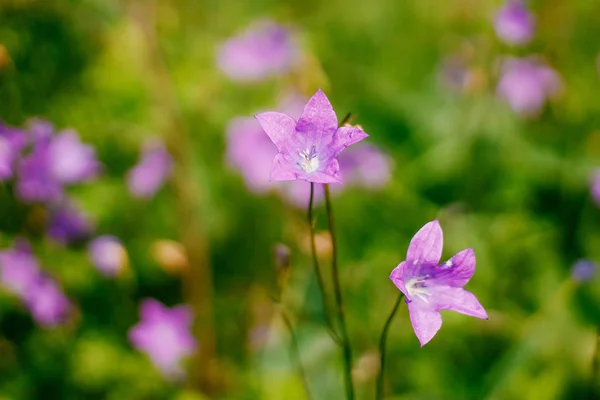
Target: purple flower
70,161
366,166
40,130
107,254
164,335
250,151
69,224
514,24
46,302
263,50
526,84
583,270
430,287
12,141
595,187
19,269
307,149
152,170
35,181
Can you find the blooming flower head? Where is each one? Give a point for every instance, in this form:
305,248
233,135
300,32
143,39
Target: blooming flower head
69,224
19,269
71,161
46,301
514,24
35,182
583,270
150,173
307,148
164,335
365,165
108,254
526,84
430,287
263,50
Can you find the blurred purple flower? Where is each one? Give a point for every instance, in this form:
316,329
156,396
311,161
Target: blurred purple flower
366,166
164,335
12,141
263,50
46,302
595,187
108,254
40,130
19,269
307,149
583,270
35,181
154,167
69,224
430,287
71,161
514,24
526,84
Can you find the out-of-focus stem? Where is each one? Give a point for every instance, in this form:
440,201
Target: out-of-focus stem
197,279
382,341
313,250
595,378
347,350
295,353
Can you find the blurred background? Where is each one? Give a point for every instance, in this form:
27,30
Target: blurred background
146,255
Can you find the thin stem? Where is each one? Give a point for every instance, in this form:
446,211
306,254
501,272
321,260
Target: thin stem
347,350
313,250
594,385
295,353
382,340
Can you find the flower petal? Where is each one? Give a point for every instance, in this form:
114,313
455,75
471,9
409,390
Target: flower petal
426,322
458,270
318,122
280,127
457,299
397,277
151,309
282,169
426,246
346,136
330,174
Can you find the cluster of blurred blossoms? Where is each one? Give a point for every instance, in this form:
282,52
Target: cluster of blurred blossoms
39,164
525,83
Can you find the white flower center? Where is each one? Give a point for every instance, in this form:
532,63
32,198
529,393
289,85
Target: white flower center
416,288
309,162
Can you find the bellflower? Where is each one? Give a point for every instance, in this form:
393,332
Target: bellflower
107,254
264,49
40,130
307,148
365,165
526,84
583,270
154,167
19,269
430,287
71,161
12,141
35,182
164,335
47,302
514,24
68,224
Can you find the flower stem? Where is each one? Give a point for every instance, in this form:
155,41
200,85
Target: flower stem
295,353
382,340
313,250
347,350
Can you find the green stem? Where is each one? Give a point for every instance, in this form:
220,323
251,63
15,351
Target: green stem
594,385
295,353
382,341
347,350
313,250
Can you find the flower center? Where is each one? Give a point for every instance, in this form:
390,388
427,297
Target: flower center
416,288
308,160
